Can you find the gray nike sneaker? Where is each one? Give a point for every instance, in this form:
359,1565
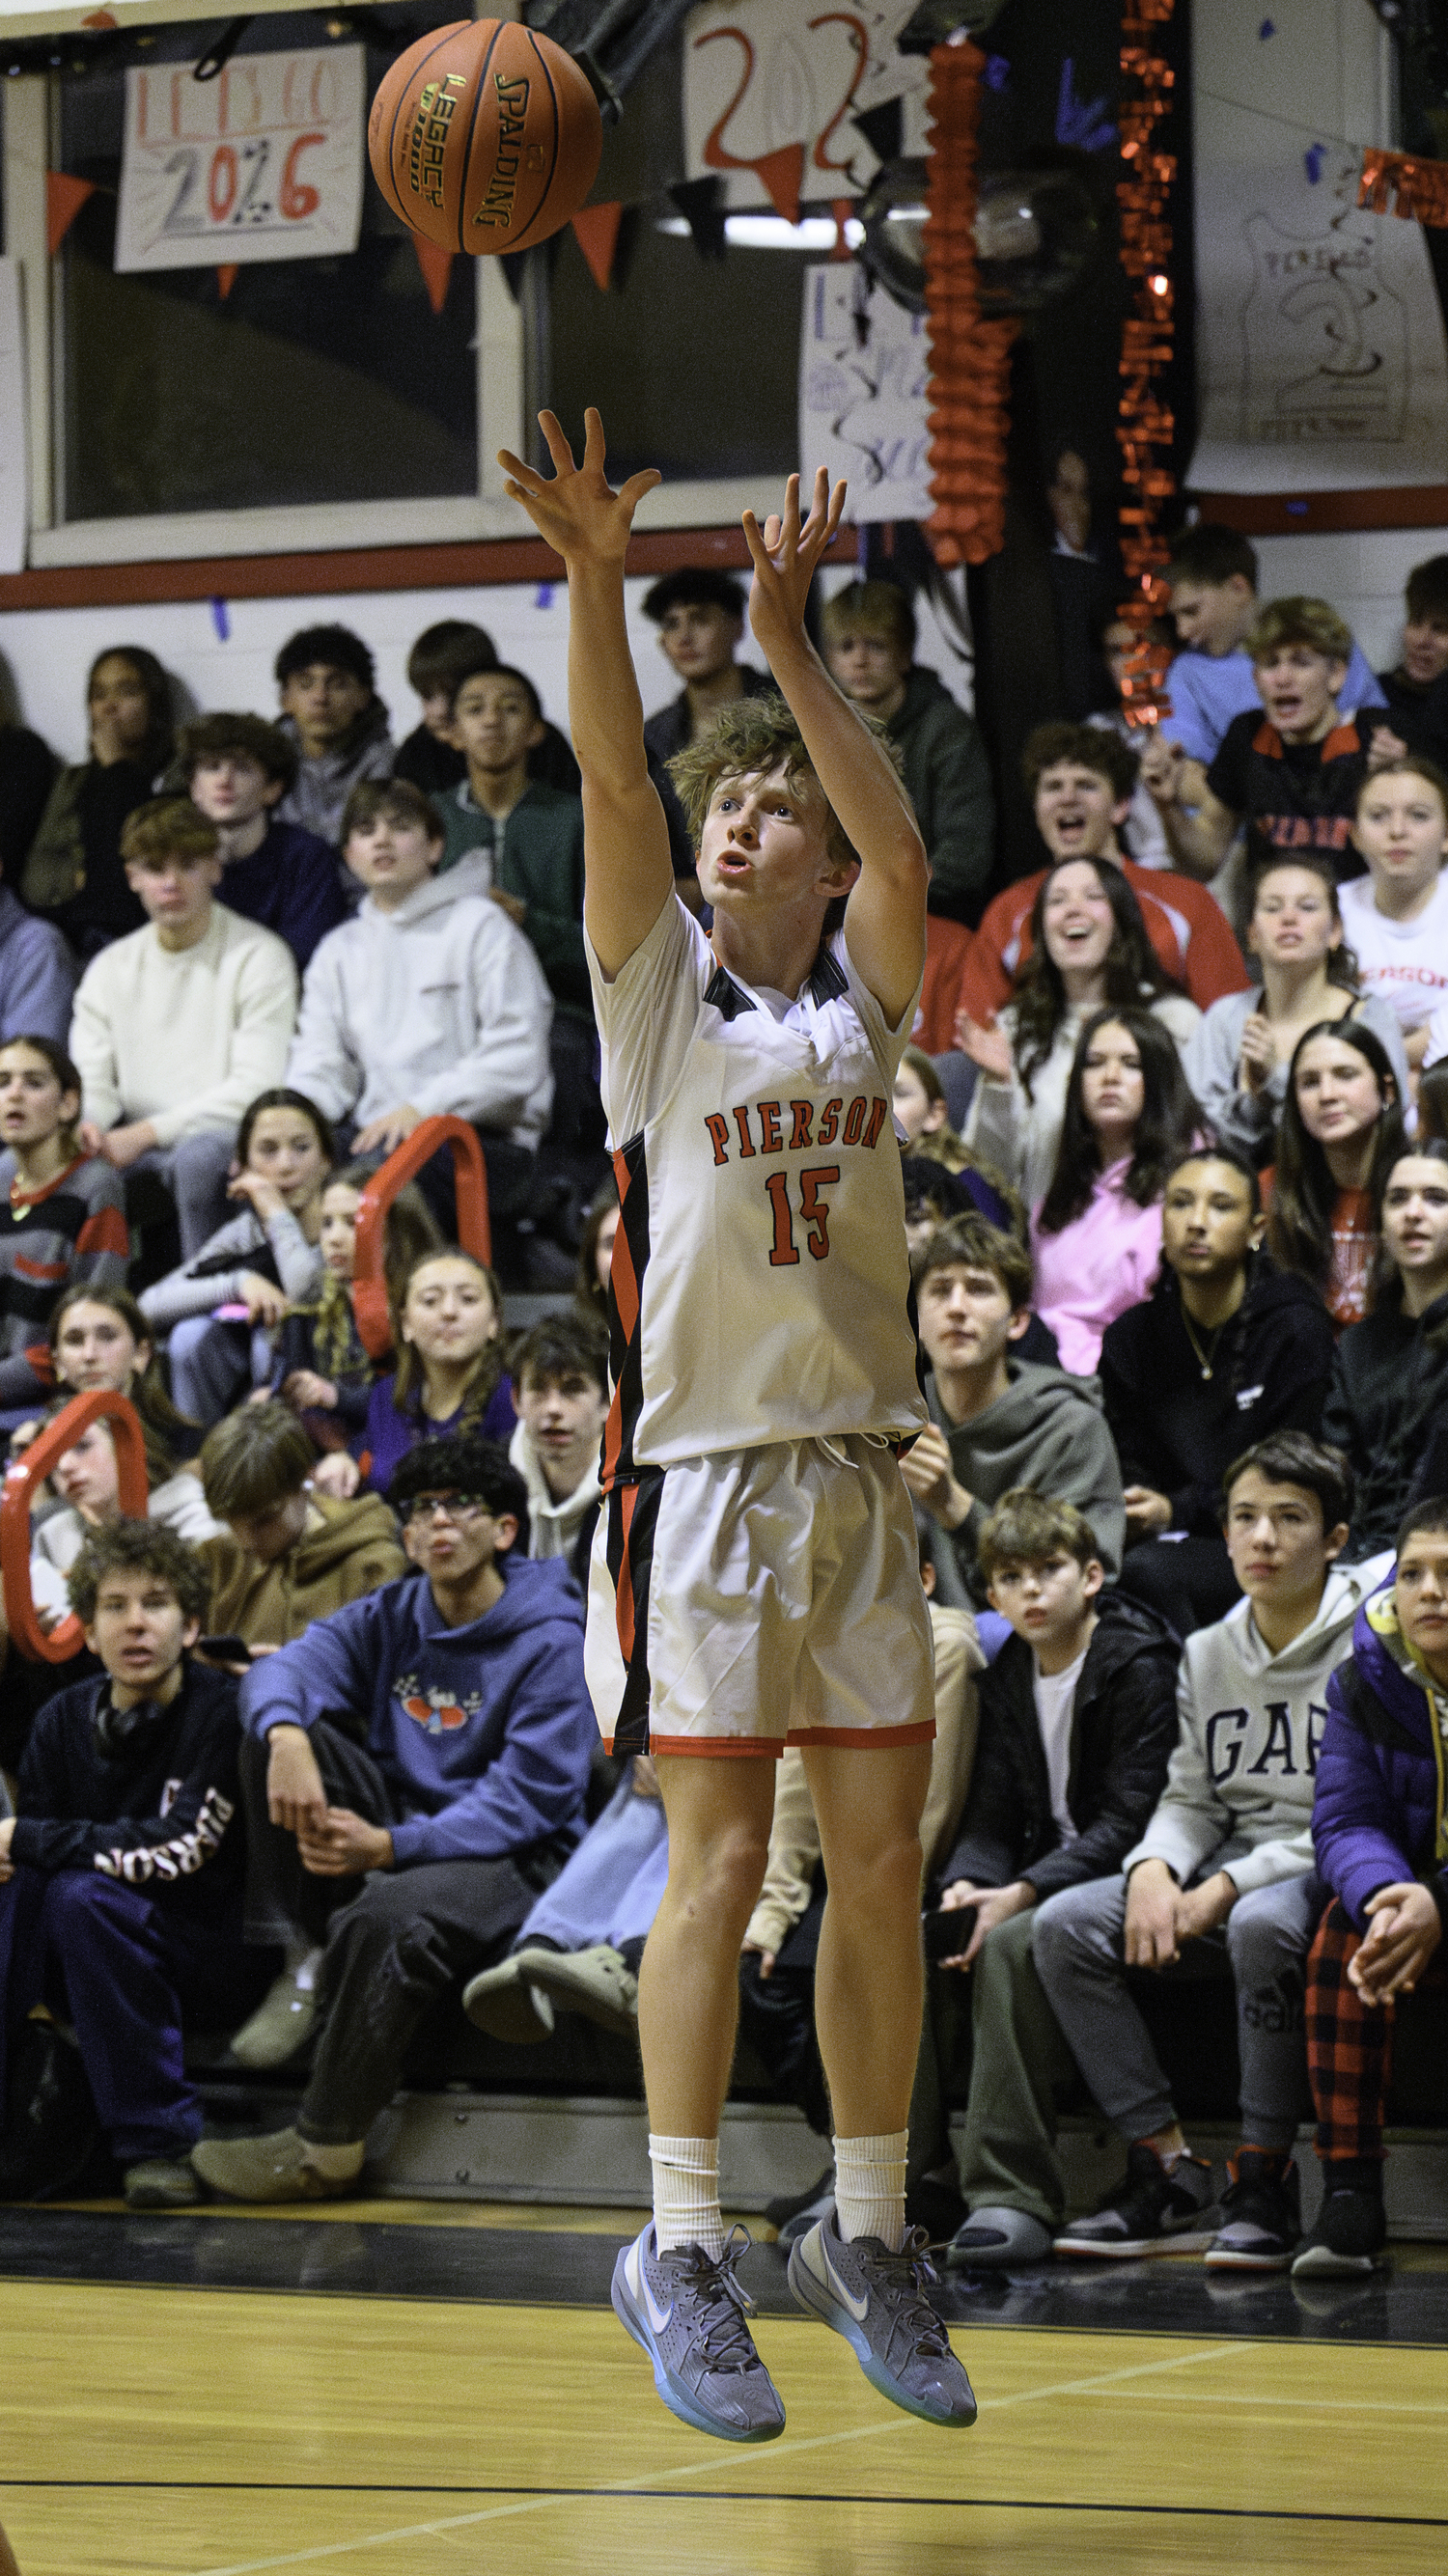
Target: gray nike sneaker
875,2300
688,2313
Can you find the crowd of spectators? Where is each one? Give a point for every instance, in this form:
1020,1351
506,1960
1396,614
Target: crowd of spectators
1177,1194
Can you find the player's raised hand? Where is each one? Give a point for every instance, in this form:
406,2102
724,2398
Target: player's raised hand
575,509
784,553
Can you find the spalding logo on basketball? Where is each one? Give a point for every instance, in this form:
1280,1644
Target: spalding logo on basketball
484,137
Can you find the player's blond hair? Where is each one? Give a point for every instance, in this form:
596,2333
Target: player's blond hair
747,740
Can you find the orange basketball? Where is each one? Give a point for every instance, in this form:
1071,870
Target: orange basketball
484,137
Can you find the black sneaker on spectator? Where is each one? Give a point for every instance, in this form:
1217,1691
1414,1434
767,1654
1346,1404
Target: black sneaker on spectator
1156,2210
1351,2232
996,2240
1262,2211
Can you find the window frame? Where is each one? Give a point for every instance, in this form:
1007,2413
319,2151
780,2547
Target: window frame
30,107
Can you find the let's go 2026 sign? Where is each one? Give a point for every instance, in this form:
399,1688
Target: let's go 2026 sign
264,162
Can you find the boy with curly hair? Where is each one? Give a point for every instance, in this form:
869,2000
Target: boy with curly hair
757,1556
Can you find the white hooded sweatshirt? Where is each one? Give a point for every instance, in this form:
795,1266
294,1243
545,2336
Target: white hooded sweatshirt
1239,1786
442,1002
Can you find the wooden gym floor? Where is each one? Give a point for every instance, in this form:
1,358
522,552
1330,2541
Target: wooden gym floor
423,2388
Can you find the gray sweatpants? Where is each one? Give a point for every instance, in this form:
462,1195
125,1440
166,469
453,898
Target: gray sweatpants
1076,1945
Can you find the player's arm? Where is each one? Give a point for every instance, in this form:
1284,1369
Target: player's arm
885,917
628,875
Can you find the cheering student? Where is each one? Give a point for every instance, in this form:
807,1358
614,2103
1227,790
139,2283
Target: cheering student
747,1080
1396,917
1096,1235
67,1208
1238,1055
1390,1376
1341,1128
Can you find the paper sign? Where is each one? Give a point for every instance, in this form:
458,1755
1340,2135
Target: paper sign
863,365
13,510
773,82
264,162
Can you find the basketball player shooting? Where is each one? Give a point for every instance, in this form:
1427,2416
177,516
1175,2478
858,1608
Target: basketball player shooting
757,1559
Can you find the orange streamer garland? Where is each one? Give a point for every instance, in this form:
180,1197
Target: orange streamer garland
1393,183
969,384
1145,425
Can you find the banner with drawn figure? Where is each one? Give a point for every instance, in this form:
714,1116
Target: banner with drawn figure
863,366
264,162
771,89
1321,357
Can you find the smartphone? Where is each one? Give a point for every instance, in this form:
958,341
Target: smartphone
947,1935
224,1650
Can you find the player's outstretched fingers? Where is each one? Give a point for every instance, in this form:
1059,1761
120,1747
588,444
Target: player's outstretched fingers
558,446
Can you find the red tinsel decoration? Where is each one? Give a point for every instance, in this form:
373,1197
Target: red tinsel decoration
1394,184
969,357
1145,424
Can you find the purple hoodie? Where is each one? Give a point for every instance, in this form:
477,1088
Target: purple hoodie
389,1435
483,1733
1377,1808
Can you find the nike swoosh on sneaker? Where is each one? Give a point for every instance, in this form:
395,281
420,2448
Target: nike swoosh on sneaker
858,2308
638,2282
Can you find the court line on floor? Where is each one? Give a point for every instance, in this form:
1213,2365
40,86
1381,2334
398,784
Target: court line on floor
550,2501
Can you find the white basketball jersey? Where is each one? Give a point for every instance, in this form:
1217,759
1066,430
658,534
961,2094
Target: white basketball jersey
760,1277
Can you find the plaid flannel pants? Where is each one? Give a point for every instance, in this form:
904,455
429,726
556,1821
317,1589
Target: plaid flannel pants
1349,2045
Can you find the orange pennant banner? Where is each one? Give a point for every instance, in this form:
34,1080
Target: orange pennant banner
436,266
781,174
226,278
64,199
597,230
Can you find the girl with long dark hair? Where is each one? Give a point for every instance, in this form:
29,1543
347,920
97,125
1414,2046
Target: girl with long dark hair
1096,1236
1089,947
74,874
1388,1404
1340,1129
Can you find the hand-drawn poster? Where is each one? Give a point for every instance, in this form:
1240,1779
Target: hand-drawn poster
265,162
772,88
863,363
1321,356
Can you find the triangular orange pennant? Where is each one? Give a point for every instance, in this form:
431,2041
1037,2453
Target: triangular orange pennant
226,278
841,208
597,231
436,266
781,175
64,199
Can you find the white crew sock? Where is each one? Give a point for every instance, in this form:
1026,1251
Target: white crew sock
339,2164
686,2194
870,2187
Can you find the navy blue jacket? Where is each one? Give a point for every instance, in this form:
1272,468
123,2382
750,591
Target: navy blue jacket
483,1733
292,884
1376,1806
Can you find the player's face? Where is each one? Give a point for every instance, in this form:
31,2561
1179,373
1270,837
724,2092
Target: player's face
285,1147
763,842
1208,1223
700,639
868,667
268,1535
32,1103
966,1317
1208,614
1425,649
175,893
1275,1539
139,1631
324,704
915,1111
449,1315
1298,688
391,856
233,788
1402,831
86,1476
1338,1098
1045,1601
494,721
95,1348
339,1228
1420,1593
1113,1086
1415,1215
566,1416
1077,810
1292,919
